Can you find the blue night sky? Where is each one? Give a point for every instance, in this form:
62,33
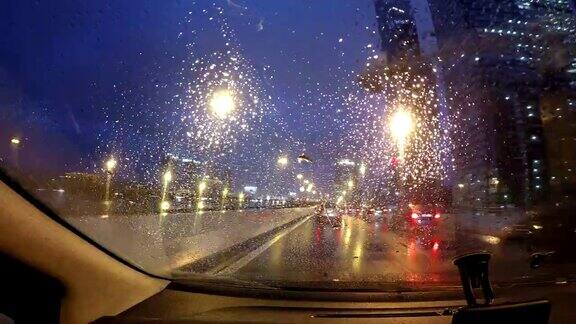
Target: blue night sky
83,79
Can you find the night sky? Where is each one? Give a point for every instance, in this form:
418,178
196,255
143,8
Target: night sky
80,80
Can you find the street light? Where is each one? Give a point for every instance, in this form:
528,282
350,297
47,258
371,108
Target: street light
222,104
240,199
201,187
299,176
166,178
362,169
282,161
15,141
164,205
401,125
109,166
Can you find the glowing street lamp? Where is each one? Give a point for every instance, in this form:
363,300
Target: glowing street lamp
201,187
15,144
401,125
166,178
240,199
282,161
164,205
362,169
299,176
15,141
109,166
222,104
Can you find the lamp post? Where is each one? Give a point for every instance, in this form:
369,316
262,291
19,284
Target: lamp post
240,200
201,188
166,178
224,196
401,126
109,167
15,145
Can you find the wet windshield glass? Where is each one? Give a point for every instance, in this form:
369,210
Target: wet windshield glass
299,143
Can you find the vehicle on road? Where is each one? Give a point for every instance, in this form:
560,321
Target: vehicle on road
419,215
330,215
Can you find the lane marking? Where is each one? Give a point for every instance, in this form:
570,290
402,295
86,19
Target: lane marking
242,262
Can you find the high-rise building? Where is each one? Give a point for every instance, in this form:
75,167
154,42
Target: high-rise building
504,60
346,180
397,29
186,174
505,73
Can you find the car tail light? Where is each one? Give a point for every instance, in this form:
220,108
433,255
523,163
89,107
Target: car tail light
414,216
437,215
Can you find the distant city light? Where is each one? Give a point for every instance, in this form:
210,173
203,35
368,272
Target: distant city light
346,162
15,141
460,185
309,187
251,189
299,176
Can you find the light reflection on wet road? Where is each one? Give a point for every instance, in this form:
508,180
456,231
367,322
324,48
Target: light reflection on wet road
371,251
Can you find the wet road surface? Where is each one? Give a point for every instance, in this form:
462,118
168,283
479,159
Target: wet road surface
369,251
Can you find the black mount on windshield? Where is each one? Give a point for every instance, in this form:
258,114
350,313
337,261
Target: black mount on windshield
473,270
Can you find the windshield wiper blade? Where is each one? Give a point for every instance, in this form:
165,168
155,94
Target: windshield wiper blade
203,280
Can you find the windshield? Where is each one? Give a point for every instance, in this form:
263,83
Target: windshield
285,142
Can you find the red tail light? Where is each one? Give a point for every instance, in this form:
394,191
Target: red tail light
414,216
437,215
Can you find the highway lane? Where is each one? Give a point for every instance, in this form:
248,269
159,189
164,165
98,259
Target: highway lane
364,253
162,243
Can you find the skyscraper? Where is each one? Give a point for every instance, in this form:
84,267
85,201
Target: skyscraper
504,61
